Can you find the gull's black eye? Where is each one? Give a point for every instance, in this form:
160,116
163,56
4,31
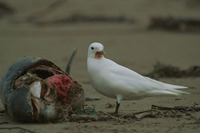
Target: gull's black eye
92,48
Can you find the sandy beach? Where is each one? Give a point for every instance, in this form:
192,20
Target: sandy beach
48,30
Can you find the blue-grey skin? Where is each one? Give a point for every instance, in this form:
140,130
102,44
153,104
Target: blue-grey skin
17,102
19,105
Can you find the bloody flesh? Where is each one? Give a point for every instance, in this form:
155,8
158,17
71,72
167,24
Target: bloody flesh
61,83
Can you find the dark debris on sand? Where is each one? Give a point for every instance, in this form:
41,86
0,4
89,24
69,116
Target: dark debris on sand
155,112
5,9
82,18
90,114
168,71
175,24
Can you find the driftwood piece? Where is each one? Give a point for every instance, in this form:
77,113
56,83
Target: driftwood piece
87,98
142,115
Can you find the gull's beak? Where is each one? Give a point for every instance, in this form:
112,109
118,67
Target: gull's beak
102,53
99,54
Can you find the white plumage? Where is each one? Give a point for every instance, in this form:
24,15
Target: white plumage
116,81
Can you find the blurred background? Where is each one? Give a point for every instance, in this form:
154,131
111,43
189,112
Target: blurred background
135,34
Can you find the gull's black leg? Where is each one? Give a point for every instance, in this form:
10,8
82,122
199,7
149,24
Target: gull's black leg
117,108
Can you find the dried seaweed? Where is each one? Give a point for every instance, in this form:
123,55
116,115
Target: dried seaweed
175,24
5,9
168,71
82,18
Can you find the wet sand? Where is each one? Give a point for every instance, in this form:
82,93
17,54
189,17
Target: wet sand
129,44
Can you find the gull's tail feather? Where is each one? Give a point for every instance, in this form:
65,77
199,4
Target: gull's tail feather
178,92
166,85
170,86
165,88
169,92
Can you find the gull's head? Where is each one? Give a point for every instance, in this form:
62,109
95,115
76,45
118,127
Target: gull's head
96,50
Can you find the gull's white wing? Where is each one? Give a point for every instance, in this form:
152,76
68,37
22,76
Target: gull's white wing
122,78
